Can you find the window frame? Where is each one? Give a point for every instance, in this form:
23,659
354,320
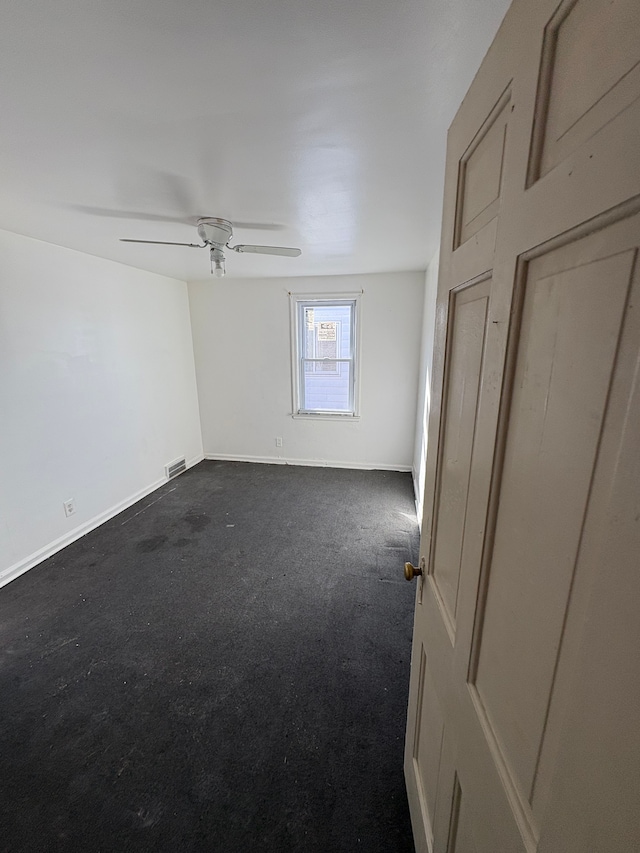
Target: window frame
298,303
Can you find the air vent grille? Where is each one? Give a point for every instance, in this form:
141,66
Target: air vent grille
175,468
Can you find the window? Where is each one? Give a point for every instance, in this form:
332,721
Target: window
324,354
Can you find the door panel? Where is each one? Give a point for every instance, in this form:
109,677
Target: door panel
590,74
428,739
568,341
461,839
604,778
468,318
531,529
481,166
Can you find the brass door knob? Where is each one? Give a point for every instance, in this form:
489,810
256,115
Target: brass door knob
411,571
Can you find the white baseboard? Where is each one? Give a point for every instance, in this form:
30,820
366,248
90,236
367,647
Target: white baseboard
313,463
22,566
194,460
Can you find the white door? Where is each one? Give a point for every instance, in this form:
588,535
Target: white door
524,712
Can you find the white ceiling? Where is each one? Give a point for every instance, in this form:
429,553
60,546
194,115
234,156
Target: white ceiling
323,119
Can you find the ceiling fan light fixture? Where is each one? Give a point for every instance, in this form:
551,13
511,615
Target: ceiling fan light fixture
217,263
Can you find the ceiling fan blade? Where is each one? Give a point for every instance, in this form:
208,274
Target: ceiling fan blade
268,250
116,213
163,243
132,214
258,226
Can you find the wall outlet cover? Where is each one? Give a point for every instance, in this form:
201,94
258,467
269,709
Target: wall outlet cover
69,507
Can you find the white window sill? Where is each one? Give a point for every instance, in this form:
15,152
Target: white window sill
324,416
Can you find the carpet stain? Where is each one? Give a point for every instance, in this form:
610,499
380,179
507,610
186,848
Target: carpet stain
197,523
151,544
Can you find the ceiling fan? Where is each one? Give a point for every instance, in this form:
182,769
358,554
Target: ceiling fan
216,234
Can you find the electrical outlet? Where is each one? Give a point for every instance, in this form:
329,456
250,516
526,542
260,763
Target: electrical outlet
278,442
69,507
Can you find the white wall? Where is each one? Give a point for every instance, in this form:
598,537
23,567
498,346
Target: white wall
97,392
241,335
424,396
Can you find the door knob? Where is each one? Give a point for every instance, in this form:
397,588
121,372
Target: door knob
410,571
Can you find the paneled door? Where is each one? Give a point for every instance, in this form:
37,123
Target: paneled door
523,726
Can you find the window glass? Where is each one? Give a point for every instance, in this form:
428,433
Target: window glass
326,356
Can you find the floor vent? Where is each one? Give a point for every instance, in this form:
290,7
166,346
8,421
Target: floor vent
175,468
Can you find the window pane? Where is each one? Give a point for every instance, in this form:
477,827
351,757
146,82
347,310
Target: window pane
326,351
327,386
327,331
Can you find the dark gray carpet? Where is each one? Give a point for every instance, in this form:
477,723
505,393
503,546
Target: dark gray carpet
222,667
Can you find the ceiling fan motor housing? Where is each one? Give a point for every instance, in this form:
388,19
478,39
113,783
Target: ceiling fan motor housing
214,231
